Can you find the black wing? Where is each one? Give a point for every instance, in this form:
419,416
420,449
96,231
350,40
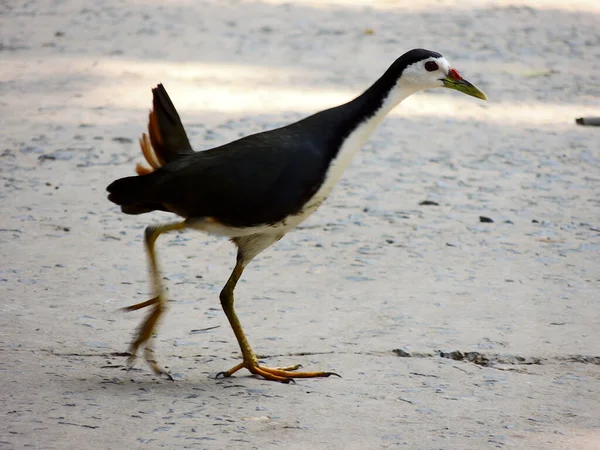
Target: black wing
256,180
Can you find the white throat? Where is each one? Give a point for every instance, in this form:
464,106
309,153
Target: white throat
357,138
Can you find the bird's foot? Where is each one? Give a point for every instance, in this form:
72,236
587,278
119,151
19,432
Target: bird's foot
149,357
144,335
281,374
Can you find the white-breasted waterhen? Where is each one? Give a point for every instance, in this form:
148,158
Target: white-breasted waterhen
256,189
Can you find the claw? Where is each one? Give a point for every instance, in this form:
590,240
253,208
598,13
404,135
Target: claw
164,373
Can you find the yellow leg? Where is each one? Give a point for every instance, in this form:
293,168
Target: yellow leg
285,374
158,303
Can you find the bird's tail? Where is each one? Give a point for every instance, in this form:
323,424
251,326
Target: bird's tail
166,139
134,194
165,142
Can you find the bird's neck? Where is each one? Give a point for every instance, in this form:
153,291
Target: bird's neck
369,109
361,116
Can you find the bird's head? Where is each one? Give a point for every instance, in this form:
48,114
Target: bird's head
424,69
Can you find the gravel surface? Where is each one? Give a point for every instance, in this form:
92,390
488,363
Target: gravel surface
452,278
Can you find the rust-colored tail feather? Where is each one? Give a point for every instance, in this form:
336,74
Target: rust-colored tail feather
149,155
166,139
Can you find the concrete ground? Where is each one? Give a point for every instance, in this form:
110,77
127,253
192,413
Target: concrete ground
449,332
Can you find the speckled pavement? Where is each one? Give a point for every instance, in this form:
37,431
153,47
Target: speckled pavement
450,331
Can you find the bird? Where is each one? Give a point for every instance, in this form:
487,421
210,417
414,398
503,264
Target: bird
257,188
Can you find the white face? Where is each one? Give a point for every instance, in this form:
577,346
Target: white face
427,73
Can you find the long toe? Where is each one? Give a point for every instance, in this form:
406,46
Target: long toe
283,374
289,374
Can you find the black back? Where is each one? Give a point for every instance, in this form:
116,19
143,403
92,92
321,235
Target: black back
265,177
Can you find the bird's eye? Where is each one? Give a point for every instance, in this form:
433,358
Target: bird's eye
430,66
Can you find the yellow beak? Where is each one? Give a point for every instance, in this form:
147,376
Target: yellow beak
463,86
